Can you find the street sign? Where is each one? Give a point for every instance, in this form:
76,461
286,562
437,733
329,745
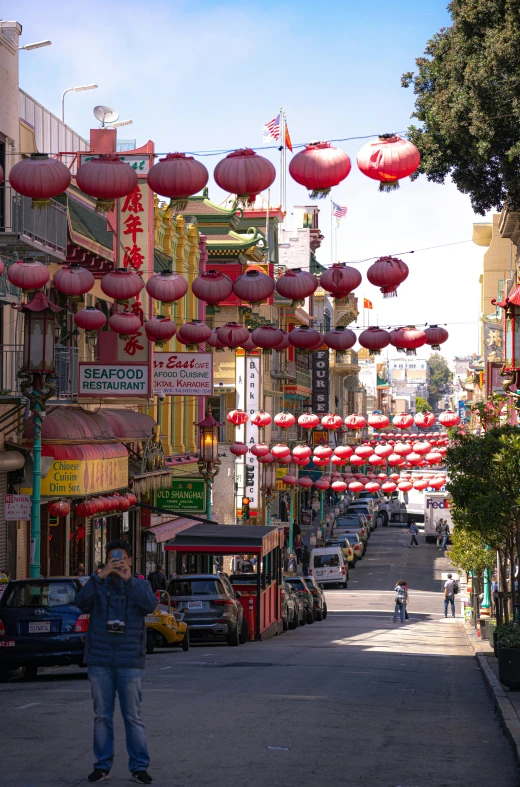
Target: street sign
17,508
114,379
183,374
186,494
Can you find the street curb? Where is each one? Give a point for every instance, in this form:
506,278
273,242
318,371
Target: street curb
505,710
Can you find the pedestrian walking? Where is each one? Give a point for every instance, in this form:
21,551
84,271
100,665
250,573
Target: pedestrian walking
245,565
291,565
414,531
451,588
494,593
115,654
444,533
401,598
298,549
157,578
306,559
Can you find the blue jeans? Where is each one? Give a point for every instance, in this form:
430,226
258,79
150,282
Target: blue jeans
444,541
449,600
399,608
104,683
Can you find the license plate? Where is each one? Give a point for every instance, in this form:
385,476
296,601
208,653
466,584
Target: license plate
319,571
194,604
151,619
40,628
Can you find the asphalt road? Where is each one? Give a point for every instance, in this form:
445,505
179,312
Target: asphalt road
355,700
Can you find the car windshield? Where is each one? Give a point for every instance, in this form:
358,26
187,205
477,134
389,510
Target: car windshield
40,594
339,543
326,561
347,522
297,583
353,538
195,587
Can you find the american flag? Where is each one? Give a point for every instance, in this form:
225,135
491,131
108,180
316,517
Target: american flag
338,211
271,130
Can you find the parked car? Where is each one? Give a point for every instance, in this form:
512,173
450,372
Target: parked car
355,542
166,628
290,607
300,604
343,543
299,584
320,605
40,625
364,510
210,606
353,524
327,566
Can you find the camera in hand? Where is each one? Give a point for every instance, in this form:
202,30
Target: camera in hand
116,626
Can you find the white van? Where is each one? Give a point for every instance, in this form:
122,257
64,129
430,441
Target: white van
327,565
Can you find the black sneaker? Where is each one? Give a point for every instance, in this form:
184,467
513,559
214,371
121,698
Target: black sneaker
142,777
98,775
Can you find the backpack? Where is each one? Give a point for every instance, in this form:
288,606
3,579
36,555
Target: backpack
455,588
400,596
438,527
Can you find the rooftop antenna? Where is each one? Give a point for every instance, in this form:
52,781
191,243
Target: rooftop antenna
105,115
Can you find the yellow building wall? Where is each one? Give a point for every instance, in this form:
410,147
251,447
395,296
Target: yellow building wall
496,265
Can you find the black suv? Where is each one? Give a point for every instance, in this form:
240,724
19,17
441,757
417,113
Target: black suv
299,584
320,605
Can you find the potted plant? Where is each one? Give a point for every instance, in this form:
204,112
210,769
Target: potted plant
508,644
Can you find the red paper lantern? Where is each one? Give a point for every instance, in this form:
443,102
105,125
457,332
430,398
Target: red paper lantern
215,342
345,451
340,339
364,450
395,476
73,281
383,450
301,452
407,339
267,337
376,460
420,485
40,178
296,285
280,451
302,462
402,421
332,421
449,418
193,333
124,323
388,159
58,508
435,336
106,178
166,286
253,287
131,498
212,287
160,330
374,339
338,486
394,460
403,449
289,479
86,509
28,275
90,319
261,418
121,284
356,486
308,421
238,417
387,273
238,448
245,174
266,459
340,280
319,167
322,484
178,177
248,344
358,461
405,486
284,343
320,462
422,447
433,458
355,421
259,449
323,451
284,420
232,334
284,460
437,483
378,421
303,337
388,487
424,420
372,486
414,459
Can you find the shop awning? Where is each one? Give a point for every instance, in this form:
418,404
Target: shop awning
83,470
129,424
69,424
228,540
85,452
169,529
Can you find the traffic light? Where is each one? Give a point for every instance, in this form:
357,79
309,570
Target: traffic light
245,508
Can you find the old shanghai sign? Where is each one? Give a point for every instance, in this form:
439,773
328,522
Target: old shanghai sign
183,374
187,494
114,379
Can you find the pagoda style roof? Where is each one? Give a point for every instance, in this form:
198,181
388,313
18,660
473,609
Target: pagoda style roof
212,217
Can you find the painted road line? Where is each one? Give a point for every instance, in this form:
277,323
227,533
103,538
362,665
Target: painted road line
29,705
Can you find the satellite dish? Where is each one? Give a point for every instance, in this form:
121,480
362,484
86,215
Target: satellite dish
105,114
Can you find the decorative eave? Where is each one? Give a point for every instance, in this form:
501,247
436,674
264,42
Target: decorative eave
512,299
209,214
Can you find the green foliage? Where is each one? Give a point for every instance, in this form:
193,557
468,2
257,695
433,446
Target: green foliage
467,88
468,551
508,635
484,473
421,405
440,375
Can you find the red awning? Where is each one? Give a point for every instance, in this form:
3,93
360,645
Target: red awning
170,529
85,452
69,424
129,424
513,297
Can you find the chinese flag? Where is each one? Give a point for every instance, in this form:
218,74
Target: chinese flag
288,143
367,304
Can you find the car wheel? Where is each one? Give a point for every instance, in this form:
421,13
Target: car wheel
186,641
303,621
244,632
30,672
310,617
319,614
233,639
285,624
352,565
324,612
345,585
150,642
293,623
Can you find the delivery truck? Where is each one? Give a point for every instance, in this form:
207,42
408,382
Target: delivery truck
436,507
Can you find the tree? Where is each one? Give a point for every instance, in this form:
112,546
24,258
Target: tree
468,101
421,405
440,375
468,552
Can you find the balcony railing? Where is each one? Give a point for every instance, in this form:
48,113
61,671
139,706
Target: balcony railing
27,230
66,379
290,372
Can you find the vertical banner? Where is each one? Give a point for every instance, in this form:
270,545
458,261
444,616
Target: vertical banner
240,431
253,404
320,382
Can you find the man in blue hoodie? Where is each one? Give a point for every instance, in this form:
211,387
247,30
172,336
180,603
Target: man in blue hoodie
115,653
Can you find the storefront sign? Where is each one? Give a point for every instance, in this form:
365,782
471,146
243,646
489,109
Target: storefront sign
187,494
141,164
80,478
183,374
320,382
17,508
118,379
247,469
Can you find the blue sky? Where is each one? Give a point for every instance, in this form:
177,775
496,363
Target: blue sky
209,75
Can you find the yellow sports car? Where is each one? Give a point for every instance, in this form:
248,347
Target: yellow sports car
165,629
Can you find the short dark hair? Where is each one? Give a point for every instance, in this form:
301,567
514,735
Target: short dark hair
402,582
118,543
158,567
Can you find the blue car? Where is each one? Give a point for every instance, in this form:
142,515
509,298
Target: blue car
40,626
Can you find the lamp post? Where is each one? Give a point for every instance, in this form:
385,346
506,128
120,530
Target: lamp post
77,89
268,488
38,366
209,463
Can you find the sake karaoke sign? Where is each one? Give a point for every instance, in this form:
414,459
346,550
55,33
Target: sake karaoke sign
183,374
117,379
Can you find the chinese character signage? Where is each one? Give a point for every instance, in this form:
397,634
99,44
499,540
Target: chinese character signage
185,494
247,469
102,379
320,382
183,374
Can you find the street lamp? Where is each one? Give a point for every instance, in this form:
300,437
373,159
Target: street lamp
268,488
38,366
209,463
76,89
35,45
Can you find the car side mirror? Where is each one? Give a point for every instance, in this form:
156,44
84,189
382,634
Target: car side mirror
238,594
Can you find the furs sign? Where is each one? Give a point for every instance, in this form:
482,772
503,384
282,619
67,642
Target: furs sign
118,379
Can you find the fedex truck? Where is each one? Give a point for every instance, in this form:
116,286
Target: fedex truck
436,506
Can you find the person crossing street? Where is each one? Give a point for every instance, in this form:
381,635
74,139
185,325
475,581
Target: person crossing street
414,531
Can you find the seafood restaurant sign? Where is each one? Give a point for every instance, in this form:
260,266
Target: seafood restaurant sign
183,374
118,379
